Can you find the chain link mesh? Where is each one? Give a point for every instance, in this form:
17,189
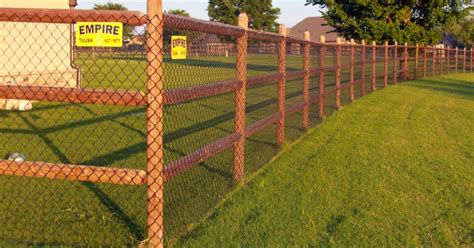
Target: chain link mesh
141,145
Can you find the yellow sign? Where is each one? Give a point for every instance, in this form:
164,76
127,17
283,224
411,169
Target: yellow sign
178,47
99,34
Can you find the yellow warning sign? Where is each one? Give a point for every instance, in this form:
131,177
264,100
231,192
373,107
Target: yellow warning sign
178,47
99,34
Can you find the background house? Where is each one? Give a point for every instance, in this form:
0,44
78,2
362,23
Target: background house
317,26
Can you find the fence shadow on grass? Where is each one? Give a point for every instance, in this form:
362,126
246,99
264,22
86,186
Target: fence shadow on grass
460,88
135,230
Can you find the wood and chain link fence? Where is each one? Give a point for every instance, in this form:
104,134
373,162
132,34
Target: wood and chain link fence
145,144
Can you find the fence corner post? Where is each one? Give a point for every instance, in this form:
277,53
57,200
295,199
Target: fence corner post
338,73
322,59
470,63
456,61
464,61
385,78
306,65
448,60
405,62
425,58
155,167
351,72
374,66
362,65
281,86
395,62
416,60
240,99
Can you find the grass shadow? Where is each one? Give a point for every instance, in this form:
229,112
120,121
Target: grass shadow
460,88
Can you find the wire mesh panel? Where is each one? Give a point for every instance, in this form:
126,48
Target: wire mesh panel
200,103
63,106
294,103
85,153
261,105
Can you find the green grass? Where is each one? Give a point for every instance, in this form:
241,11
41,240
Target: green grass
51,212
393,169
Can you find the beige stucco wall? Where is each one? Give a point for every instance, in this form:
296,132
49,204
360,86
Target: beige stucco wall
35,53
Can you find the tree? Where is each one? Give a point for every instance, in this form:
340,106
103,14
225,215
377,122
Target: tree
180,12
463,32
262,15
127,30
411,21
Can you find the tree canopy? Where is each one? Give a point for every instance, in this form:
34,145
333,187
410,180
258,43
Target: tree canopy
180,12
262,15
411,21
110,6
463,32
127,30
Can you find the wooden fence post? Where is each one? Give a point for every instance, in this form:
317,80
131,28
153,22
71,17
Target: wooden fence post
322,59
470,64
281,86
456,60
374,66
155,167
351,72
441,60
433,65
240,99
416,61
338,73
448,60
464,61
362,65
405,62
385,79
425,55
395,63
306,65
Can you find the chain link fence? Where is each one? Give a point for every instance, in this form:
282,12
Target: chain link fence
128,147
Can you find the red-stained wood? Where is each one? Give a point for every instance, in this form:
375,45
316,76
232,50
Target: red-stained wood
73,172
177,167
69,16
73,95
175,96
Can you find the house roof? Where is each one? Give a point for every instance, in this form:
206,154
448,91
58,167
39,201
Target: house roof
317,26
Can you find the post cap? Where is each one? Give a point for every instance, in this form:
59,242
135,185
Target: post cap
322,39
282,30
307,36
243,21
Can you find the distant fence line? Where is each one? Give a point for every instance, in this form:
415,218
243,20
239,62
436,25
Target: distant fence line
367,68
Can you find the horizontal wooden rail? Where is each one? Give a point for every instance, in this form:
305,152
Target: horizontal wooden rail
263,80
73,172
292,75
261,124
295,40
68,16
177,167
266,36
187,94
73,95
294,108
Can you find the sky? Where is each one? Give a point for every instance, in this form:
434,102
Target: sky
292,11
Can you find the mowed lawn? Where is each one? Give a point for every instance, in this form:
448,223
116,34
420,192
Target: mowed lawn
56,212
393,169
